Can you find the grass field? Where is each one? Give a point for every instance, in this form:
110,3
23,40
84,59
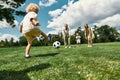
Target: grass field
101,62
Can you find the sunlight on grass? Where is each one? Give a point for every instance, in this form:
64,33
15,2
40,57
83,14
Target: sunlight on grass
101,62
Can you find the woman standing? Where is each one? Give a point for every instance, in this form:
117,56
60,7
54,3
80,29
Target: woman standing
89,35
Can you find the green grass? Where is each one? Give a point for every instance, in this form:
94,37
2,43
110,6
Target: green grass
101,62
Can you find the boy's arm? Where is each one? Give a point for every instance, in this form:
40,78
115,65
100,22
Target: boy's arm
35,22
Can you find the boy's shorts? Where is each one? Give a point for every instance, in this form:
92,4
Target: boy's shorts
32,34
78,41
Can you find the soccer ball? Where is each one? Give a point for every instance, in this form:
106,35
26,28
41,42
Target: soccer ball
56,44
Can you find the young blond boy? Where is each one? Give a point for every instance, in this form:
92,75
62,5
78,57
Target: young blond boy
78,40
29,26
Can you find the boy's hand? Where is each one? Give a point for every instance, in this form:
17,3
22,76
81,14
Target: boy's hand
20,28
35,22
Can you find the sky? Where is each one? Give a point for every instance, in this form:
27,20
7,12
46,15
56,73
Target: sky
54,14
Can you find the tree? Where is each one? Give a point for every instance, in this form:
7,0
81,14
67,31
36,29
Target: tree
72,39
96,38
16,43
78,30
22,41
7,43
2,43
107,33
11,42
36,42
56,37
8,12
113,34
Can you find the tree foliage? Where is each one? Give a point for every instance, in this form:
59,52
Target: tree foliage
22,41
107,34
8,12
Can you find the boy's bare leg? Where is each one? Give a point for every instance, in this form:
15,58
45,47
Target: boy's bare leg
42,33
28,47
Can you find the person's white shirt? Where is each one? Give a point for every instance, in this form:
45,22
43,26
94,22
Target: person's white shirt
26,22
66,31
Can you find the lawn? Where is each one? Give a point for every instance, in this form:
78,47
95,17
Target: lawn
100,62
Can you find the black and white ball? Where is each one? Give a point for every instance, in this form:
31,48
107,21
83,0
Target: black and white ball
56,44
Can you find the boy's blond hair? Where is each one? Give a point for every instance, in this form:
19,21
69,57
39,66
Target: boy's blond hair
32,7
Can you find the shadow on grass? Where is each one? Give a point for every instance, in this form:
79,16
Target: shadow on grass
21,75
49,54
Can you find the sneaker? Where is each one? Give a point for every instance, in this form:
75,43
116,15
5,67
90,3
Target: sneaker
28,56
89,46
65,46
